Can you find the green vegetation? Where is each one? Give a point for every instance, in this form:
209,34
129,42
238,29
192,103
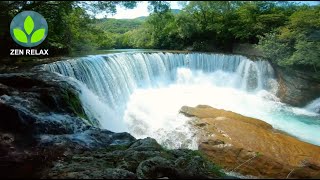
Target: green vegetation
120,26
71,28
189,155
297,44
287,32
213,168
74,104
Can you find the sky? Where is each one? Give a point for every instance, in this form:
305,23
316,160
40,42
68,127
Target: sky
142,10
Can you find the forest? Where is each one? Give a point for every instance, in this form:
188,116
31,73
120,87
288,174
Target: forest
180,90
288,33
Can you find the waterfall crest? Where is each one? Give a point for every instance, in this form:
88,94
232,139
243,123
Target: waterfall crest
114,77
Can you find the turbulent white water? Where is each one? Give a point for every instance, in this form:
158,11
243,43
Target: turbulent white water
314,106
142,93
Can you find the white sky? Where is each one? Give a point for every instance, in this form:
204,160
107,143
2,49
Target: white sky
142,10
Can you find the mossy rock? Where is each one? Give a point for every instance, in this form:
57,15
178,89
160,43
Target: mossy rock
75,106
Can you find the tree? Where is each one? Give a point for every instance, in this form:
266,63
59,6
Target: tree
68,21
297,44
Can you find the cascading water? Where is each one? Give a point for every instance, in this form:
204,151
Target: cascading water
314,106
142,93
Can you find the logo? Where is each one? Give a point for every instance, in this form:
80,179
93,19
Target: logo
29,29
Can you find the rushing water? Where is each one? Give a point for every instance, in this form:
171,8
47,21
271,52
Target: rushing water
142,93
314,105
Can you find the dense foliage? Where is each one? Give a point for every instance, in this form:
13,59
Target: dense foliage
288,33
216,25
296,44
70,23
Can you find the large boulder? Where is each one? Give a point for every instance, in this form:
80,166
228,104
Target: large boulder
250,146
297,88
40,103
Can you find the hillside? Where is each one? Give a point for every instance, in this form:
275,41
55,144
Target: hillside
119,25
124,25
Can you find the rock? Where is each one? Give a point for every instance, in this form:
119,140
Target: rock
19,159
297,88
237,139
108,173
45,134
119,174
132,162
43,122
39,103
147,144
156,167
195,168
92,138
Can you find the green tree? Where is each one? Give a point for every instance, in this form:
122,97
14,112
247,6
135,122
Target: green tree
297,44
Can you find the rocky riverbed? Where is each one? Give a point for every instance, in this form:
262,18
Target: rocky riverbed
250,146
45,133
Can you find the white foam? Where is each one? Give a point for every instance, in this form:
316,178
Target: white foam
143,92
154,111
314,106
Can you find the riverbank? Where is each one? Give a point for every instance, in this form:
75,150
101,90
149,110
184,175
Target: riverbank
45,134
250,146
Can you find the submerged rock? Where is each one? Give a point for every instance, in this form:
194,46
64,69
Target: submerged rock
250,146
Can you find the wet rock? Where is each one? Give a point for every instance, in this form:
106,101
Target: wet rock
156,167
92,138
35,103
195,168
132,162
46,134
250,146
297,88
43,121
18,159
146,145
108,173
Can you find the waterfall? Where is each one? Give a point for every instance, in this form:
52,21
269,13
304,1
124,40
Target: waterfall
141,93
314,106
114,77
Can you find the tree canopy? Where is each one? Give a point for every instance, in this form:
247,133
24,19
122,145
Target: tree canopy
288,33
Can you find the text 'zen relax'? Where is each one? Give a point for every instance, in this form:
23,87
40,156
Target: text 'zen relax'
29,52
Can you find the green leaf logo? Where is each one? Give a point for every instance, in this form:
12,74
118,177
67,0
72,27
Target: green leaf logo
38,35
20,35
28,25
29,28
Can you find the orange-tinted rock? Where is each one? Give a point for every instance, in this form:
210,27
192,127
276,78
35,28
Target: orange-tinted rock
252,147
